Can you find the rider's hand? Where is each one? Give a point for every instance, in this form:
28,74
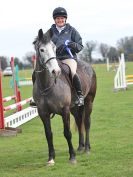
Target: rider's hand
61,49
72,45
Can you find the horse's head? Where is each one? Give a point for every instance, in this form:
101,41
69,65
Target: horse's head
45,51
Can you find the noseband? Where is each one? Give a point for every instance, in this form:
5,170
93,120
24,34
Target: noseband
49,60
43,65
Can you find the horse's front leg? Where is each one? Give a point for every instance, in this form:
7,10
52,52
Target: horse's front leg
49,136
67,133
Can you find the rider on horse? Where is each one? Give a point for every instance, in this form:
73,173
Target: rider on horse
63,31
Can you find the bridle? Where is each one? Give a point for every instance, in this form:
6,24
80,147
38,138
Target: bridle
38,57
44,65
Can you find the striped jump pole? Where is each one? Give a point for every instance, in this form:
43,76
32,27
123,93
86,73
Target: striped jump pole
7,124
9,98
1,102
14,106
129,79
16,95
34,61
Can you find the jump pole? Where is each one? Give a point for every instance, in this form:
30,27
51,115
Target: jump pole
2,126
108,67
16,119
16,91
34,61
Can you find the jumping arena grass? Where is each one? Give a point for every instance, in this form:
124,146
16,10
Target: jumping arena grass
111,137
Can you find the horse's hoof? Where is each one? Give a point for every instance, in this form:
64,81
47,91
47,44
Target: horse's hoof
73,161
80,149
50,162
87,151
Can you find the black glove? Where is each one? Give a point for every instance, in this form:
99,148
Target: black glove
61,49
72,45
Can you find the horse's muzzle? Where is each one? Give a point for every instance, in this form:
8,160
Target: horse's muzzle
56,73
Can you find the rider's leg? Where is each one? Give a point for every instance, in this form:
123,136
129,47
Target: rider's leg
76,80
78,88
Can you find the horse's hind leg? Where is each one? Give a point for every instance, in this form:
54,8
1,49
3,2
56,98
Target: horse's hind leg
67,133
87,121
78,113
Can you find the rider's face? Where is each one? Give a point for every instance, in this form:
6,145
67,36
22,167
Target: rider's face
60,21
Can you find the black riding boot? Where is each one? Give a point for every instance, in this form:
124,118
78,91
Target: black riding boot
32,102
77,85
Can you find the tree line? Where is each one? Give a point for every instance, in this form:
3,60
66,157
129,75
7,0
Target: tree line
25,64
124,45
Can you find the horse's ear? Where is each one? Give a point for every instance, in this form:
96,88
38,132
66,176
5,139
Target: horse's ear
50,33
40,34
34,42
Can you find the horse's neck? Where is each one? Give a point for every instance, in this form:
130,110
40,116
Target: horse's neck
43,76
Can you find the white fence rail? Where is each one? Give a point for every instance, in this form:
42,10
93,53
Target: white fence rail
25,82
20,117
120,77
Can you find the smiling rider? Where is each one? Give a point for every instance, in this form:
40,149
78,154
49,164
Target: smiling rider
63,31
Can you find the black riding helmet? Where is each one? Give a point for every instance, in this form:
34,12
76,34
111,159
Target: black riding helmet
59,12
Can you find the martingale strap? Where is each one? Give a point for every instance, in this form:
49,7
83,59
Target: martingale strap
47,90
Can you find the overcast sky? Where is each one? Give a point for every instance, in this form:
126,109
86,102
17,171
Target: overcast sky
102,21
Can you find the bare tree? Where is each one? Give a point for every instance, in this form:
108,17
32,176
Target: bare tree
87,51
28,59
113,54
126,45
18,62
104,49
4,62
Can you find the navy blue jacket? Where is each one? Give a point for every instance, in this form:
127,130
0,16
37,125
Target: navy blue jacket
68,33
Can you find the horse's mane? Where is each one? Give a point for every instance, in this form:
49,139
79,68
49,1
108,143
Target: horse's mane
46,37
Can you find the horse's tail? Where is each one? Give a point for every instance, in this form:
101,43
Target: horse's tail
81,117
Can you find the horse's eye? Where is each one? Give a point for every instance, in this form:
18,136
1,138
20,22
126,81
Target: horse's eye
42,50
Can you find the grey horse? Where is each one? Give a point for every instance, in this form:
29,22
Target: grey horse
53,94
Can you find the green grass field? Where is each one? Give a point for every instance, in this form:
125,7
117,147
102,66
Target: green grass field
111,137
